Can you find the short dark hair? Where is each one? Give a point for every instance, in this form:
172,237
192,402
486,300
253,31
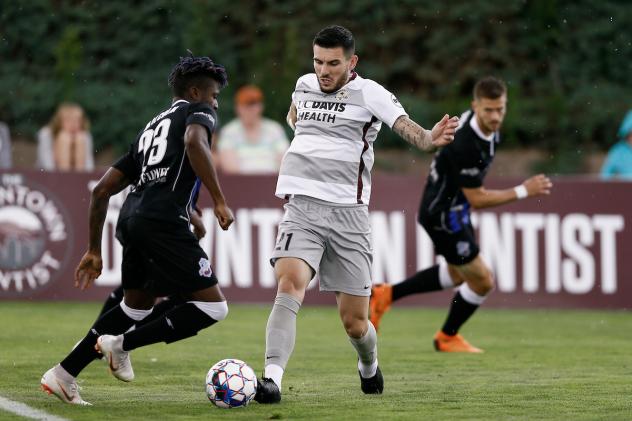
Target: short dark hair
195,71
489,87
335,36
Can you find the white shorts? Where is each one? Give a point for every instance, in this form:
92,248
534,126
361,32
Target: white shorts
333,239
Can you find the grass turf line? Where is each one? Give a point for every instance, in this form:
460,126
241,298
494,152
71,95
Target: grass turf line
538,365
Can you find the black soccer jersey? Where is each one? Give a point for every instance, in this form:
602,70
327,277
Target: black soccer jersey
164,182
463,163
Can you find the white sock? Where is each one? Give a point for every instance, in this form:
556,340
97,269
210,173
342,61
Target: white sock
470,296
133,313
366,347
367,371
274,372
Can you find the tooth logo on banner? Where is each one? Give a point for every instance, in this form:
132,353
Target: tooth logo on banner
35,238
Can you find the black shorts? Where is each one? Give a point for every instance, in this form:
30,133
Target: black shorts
162,258
458,247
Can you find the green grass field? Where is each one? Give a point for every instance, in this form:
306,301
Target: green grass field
567,365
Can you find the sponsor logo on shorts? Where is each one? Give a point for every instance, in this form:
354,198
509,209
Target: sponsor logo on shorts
205,268
463,248
35,237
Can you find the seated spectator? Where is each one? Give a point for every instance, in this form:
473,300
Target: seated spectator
618,163
65,144
251,143
5,146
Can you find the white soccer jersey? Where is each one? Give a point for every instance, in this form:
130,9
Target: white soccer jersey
331,155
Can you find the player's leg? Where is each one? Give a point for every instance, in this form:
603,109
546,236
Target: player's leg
174,264
353,311
346,270
296,257
478,284
434,278
293,275
61,379
137,305
199,310
114,298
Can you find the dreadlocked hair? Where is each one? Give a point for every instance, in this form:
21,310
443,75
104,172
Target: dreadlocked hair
194,71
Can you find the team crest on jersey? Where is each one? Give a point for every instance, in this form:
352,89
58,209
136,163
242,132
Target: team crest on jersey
205,267
342,95
463,248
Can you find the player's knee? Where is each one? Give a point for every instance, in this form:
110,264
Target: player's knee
354,325
291,284
486,282
215,310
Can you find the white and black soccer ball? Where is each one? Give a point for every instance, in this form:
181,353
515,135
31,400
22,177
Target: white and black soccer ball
231,383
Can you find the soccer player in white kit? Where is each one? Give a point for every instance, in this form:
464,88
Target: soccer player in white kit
326,178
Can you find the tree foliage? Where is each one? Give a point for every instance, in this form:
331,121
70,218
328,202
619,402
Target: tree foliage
567,63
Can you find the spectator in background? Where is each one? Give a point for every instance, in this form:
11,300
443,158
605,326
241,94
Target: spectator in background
5,146
65,144
251,143
618,163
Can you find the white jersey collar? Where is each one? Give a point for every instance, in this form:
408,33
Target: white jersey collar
474,125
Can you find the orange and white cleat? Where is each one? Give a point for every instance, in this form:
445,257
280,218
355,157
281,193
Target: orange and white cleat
65,389
380,303
119,362
456,343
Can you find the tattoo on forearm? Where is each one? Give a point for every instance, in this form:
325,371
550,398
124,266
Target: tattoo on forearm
413,133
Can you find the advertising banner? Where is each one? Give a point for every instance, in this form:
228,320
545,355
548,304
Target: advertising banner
571,249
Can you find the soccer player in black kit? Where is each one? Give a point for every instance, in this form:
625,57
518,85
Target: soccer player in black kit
455,184
161,256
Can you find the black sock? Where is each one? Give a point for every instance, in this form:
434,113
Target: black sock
179,323
425,281
112,301
160,309
114,322
460,311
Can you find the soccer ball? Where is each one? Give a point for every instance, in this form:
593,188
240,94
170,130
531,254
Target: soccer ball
231,383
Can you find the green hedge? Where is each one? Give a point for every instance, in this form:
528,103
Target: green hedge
567,63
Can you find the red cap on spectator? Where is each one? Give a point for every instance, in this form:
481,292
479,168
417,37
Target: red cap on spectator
249,94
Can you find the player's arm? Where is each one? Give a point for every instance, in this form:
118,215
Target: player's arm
427,140
481,197
90,266
291,116
199,153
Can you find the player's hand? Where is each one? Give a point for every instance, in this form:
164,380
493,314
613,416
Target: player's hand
199,231
224,216
538,185
198,226
88,270
443,132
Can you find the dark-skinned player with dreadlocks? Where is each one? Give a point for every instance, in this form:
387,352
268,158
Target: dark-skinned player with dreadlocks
161,256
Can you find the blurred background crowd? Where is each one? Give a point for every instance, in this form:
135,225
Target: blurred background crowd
81,78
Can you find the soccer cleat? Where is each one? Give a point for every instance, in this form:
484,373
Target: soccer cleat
373,385
380,303
267,391
66,391
118,360
456,343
